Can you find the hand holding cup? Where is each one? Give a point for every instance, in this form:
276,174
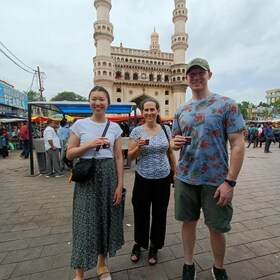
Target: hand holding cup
142,142
104,142
180,141
188,140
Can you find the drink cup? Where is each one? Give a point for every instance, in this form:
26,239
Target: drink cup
106,146
147,141
188,140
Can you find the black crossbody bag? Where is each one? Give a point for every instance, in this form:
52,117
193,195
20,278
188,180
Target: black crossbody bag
84,169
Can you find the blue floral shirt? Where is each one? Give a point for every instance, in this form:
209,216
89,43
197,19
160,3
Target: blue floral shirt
205,160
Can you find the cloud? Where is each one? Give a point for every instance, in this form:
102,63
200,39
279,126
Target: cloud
239,38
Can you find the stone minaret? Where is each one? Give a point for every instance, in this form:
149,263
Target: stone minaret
104,65
179,45
154,47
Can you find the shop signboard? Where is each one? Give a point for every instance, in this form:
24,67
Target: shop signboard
12,97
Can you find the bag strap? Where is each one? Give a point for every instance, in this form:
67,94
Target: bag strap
164,129
168,155
104,133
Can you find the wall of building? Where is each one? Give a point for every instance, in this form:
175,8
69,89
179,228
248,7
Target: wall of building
272,95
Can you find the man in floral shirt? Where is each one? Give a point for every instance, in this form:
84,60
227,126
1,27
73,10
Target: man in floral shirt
205,179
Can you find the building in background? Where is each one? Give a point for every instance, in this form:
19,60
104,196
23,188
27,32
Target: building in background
272,95
13,103
132,75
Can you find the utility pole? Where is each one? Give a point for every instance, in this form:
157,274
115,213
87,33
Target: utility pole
41,89
40,84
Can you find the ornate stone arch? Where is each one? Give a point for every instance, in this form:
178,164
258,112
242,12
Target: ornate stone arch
139,99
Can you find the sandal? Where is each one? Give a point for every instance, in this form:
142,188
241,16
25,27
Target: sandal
136,252
103,270
153,255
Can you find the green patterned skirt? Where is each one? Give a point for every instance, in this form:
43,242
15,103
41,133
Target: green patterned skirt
97,224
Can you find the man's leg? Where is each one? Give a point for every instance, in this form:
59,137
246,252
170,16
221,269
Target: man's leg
49,168
218,244
255,142
56,162
249,143
26,148
187,210
189,238
269,143
266,147
22,147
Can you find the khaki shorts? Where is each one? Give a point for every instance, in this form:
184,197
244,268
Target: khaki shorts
189,199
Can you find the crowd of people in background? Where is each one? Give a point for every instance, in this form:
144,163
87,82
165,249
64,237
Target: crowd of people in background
16,137
259,134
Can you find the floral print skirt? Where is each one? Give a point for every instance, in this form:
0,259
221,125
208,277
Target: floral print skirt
97,224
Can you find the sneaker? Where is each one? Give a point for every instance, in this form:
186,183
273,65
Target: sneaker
58,175
219,274
49,175
189,272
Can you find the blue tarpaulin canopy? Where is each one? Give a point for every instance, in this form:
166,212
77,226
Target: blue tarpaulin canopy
82,107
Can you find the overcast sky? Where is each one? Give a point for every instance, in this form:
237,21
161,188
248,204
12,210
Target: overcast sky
240,39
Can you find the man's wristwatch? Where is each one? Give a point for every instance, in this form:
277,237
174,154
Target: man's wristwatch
231,183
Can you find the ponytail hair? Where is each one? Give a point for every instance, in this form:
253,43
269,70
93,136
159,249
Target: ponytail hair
158,119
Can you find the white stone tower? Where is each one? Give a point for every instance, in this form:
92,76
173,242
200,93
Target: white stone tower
104,64
179,45
132,75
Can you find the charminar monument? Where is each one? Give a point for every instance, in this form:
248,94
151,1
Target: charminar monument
132,75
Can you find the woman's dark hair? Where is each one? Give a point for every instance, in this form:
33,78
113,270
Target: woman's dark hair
151,100
102,89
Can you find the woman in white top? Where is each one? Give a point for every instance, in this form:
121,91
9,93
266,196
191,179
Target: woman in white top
149,144
97,213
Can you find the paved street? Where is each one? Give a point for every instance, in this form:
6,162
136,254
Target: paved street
35,227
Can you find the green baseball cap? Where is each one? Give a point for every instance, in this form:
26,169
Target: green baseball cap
198,62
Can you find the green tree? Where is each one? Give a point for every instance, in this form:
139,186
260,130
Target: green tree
263,104
244,109
33,96
276,105
275,109
266,114
69,96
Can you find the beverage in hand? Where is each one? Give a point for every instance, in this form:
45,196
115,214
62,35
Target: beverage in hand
147,141
188,140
